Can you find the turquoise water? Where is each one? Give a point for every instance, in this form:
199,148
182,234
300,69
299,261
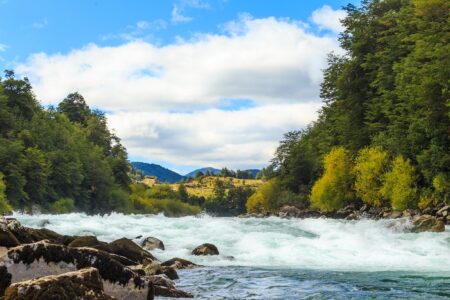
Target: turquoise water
285,259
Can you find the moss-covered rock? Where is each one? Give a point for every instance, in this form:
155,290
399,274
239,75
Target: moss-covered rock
84,284
205,249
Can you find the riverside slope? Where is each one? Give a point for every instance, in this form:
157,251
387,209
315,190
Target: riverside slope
285,258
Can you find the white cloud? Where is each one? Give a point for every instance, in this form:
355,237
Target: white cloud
238,139
3,47
179,8
327,18
275,63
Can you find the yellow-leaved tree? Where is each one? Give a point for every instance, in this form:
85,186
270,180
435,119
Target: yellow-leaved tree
5,208
400,184
265,198
334,189
370,166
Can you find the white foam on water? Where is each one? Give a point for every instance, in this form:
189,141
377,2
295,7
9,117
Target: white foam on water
320,244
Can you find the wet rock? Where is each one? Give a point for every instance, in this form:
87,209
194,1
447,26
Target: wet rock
129,249
155,268
151,243
288,211
82,284
166,288
444,211
427,223
84,241
5,280
392,214
31,235
205,249
179,263
7,239
43,259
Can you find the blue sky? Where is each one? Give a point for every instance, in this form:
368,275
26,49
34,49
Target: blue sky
168,37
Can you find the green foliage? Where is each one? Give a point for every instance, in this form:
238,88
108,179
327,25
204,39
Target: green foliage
400,185
441,184
265,198
160,199
370,166
5,208
334,189
47,154
63,206
390,90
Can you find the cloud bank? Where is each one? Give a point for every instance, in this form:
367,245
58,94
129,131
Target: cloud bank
166,102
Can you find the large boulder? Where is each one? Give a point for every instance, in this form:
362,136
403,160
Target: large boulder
27,235
39,259
129,249
205,249
179,263
151,243
78,285
427,223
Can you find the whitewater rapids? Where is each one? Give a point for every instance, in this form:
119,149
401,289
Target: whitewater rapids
306,244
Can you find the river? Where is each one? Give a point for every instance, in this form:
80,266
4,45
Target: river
275,258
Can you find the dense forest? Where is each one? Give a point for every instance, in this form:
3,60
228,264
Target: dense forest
383,134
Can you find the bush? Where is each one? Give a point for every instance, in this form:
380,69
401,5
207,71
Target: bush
334,189
265,198
441,185
370,166
63,206
400,185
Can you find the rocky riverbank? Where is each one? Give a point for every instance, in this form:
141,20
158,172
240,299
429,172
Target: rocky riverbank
40,264
429,219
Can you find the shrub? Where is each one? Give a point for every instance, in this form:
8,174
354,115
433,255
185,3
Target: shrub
400,185
63,206
265,198
334,189
370,166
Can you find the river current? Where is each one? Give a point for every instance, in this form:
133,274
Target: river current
275,258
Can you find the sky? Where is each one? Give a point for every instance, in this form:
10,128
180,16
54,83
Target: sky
184,83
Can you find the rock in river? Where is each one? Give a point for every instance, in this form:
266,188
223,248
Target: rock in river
427,223
151,243
78,285
206,249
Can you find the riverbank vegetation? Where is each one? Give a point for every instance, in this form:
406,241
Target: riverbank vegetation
383,135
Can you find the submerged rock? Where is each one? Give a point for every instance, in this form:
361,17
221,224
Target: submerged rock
427,223
205,249
82,284
129,249
179,263
151,243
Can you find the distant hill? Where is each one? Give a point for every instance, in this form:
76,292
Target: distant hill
163,174
203,170
253,171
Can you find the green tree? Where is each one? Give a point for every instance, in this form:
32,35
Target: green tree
5,208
